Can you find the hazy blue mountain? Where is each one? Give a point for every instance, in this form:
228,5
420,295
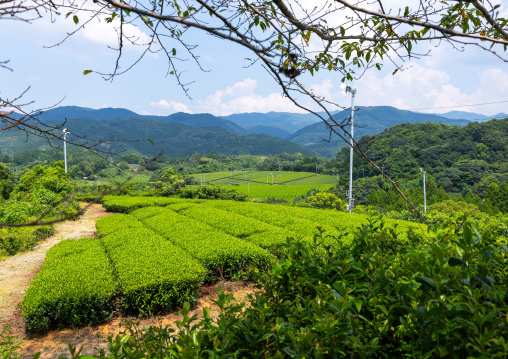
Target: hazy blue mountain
177,139
108,114
287,121
471,116
462,115
369,120
499,116
74,112
270,131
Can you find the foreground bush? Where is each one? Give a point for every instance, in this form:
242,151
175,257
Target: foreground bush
74,288
14,240
442,295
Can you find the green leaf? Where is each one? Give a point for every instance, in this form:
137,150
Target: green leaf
452,262
289,352
86,72
76,19
483,271
428,281
149,140
358,304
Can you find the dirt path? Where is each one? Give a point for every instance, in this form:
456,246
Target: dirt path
17,272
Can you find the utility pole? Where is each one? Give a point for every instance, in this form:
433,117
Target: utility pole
424,192
353,93
65,132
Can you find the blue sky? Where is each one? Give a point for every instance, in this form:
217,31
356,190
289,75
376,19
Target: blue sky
447,78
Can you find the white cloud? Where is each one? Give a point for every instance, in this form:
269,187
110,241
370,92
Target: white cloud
241,97
174,106
419,88
107,34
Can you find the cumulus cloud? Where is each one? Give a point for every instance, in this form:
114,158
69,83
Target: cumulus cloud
107,34
242,97
171,105
420,88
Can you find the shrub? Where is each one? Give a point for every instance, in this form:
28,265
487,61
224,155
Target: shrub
154,275
14,240
221,254
74,288
443,295
116,222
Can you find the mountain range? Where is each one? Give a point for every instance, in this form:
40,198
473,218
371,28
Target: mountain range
249,133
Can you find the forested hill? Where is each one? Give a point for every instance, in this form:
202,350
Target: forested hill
368,121
108,114
176,138
458,158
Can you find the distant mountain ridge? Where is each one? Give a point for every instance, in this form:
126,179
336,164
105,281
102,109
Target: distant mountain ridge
109,114
303,130
286,121
176,139
471,116
369,120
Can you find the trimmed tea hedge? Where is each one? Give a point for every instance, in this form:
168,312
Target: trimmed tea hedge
264,213
74,288
115,223
154,275
257,232
222,254
147,212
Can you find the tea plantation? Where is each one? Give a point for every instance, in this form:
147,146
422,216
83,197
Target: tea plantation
153,255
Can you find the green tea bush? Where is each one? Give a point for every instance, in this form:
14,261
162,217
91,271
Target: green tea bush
74,288
154,275
147,212
222,254
438,295
116,222
274,215
257,232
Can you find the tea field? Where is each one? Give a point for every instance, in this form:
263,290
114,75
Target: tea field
286,192
264,177
263,185
153,255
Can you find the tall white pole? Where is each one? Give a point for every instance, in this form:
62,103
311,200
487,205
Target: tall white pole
424,192
65,132
353,92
